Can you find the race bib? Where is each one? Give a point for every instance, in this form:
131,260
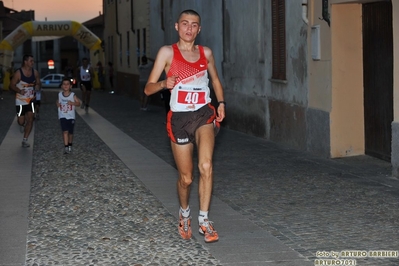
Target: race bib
29,93
189,97
65,108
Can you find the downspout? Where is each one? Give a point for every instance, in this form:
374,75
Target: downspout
305,11
116,19
131,17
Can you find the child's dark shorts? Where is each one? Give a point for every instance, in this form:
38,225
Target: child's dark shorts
67,125
181,126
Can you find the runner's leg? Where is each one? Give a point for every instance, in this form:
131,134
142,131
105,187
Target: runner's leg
205,139
183,155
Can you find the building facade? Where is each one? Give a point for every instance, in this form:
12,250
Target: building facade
319,76
124,21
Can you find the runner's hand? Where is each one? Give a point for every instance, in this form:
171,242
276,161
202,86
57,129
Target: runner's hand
170,81
220,113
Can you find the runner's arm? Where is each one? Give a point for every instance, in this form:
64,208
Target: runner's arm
161,64
91,71
78,79
13,83
38,83
216,84
76,100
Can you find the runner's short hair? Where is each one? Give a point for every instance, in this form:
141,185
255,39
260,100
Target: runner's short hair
26,57
189,12
67,79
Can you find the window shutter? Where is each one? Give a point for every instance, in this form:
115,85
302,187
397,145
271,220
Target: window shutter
278,40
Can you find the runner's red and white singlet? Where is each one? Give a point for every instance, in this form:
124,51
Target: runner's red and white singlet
191,91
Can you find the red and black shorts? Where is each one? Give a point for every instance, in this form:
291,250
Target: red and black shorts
181,126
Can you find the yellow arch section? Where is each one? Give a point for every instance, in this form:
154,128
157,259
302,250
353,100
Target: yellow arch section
45,28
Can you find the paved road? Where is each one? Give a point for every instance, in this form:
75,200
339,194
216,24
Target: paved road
302,202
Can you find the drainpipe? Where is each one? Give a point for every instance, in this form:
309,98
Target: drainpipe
131,17
305,11
116,19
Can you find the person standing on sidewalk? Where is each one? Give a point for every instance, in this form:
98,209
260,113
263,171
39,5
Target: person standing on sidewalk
85,76
66,102
25,82
100,74
191,119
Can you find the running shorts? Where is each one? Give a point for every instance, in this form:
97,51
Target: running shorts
23,109
181,126
67,125
87,85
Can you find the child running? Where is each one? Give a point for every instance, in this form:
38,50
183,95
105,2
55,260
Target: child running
66,103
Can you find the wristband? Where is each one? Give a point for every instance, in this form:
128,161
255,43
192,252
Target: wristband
223,103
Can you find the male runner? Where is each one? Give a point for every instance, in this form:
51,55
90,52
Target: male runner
25,82
85,77
191,119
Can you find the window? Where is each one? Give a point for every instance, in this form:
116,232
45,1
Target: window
128,49
162,16
278,40
144,41
110,48
120,49
138,47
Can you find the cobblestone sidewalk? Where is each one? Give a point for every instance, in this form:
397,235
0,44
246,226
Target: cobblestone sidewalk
88,208
309,203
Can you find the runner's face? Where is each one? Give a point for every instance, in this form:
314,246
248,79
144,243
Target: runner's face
30,62
66,86
188,27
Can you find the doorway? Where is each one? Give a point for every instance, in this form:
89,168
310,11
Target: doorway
378,78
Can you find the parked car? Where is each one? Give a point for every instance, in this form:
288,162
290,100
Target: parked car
54,81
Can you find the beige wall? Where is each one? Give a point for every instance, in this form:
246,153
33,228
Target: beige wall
320,70
336,80
347,114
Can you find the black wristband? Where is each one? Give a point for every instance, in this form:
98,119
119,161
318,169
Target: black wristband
223,103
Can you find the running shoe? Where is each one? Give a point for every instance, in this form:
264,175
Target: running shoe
66,150
25,144
206,229
185,227
69,149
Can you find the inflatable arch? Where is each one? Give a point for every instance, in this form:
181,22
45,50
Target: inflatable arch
44,28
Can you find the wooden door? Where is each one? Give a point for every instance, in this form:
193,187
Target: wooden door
378,78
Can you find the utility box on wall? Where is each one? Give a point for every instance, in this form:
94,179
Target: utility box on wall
315,36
